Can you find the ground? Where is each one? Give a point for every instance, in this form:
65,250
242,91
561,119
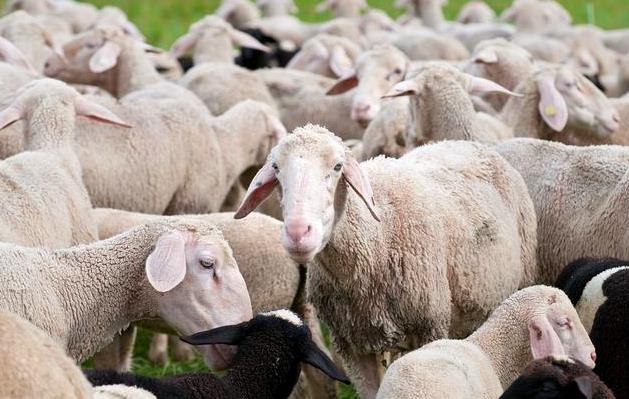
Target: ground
163,21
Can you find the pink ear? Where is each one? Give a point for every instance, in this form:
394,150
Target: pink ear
279,131
358,181
340,63
10,115
480,86
13,55
105,58
260,188
85,107
552,105
166,265
544,340
404,88
343,85
243,39
486,56
184,44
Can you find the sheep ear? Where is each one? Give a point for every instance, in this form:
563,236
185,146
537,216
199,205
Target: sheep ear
486,56
133,31
277,128
10,115
90,109
166,265
340,63
552,105
184,44
12,55
260,188
584,385
226,335
243,39
343,85
404,88
478,85
544,340
315,357
359,182
105,58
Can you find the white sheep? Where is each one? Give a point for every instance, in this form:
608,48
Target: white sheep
476,11
404,222
326,55
343,8
429,45
273,8
533,323
144,273
537,16
238,13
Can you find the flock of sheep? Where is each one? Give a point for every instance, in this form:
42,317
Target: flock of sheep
451,201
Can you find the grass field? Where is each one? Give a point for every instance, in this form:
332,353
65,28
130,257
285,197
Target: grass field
162,21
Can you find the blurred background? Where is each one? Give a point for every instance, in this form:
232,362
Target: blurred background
163,21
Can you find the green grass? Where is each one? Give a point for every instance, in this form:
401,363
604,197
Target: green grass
163,21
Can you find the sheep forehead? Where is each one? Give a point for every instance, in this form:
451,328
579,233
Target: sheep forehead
310,141
382,55
540,298
210,22
286,315
46,87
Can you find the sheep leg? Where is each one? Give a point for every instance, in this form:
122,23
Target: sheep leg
182,351
319,385
364,372
158,352
127,343
108,358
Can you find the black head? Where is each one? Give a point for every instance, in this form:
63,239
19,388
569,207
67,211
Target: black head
575,276
280,326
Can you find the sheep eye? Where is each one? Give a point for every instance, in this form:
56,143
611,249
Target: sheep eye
274,165
565,322
397,71
338,167
207,263
90,46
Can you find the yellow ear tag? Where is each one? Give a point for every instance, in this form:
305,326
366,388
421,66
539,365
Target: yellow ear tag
550,110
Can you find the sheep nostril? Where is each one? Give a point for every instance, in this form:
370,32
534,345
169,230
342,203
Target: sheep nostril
593,356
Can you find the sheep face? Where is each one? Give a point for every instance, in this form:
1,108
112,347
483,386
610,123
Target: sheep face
567,98
198,285
376,72
312,167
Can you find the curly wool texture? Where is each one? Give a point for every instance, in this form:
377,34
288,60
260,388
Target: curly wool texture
83,295
390,133
580,199
34,366
463,208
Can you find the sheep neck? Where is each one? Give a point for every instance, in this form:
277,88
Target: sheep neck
245,133
134,70
213,48
49,126
507,327
430,13
447,113
118,289
522,114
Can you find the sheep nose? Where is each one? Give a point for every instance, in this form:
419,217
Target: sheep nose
593,356
363,108
297,230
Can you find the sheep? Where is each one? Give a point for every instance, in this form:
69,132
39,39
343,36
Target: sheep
502,62
238,13
43,187
15,70
274,281
212,40
187,184
563,182
273,8
28,35
110,15
430,11
271,348
79,16
476,11
598,289
349,235
326,55
389,132
428,45
441,108
533,323
557,100
376,71
343,8
537,16
146,272
555,378
34,366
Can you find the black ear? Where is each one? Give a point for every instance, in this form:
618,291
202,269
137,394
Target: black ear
317,358
584,385
226,335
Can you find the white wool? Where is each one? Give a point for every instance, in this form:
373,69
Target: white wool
121,392
593,298
286,315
